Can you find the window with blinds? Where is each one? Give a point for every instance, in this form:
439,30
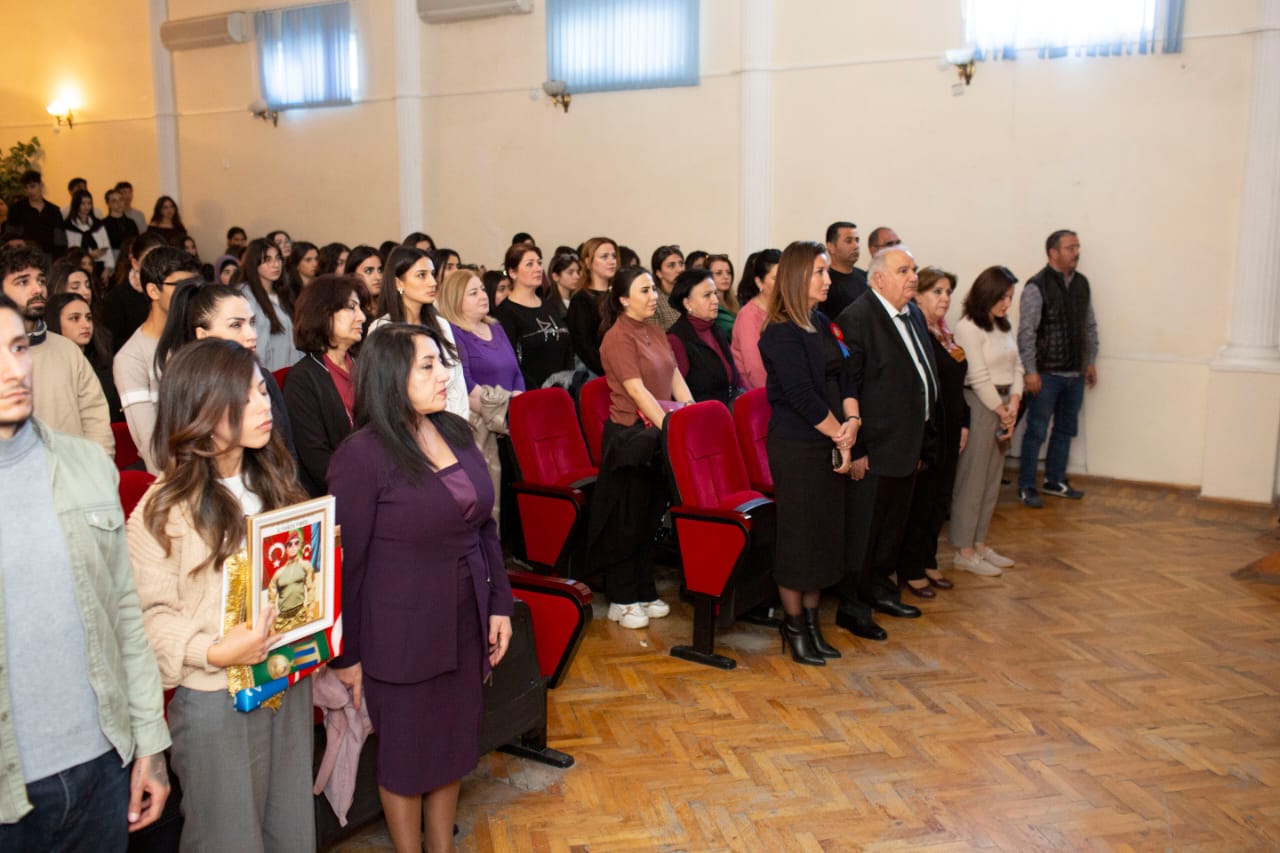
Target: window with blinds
609,45
1001,28
306,56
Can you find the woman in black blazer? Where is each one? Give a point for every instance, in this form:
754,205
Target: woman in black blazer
320,389
812,428
701,347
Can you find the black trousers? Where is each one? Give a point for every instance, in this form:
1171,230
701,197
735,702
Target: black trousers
877,517
930,506
627,504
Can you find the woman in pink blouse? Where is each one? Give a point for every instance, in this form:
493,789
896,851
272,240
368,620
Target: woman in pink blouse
757,284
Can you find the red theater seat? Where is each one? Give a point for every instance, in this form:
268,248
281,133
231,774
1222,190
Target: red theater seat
550,618
126,450
554,479
593,408
751,414
133,485
561,611
724,528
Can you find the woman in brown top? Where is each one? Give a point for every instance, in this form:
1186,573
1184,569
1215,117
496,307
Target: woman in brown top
630,494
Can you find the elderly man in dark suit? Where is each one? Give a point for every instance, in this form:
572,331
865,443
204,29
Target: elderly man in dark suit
896,384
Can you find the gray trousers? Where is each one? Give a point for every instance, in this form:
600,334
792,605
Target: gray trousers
977,475
246,778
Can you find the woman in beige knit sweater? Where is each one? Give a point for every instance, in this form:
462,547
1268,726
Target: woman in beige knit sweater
245,777
992,389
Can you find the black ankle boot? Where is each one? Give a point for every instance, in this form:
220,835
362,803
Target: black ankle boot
820,644
796,634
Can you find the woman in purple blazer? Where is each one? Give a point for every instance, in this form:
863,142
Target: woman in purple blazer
426,600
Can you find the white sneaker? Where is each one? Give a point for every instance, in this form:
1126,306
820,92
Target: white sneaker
655,609
977,565
996,559
629,615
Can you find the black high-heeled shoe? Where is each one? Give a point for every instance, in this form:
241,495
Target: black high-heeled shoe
925,591
820,644
796,634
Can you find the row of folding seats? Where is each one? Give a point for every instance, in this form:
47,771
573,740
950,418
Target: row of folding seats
722,515
722,512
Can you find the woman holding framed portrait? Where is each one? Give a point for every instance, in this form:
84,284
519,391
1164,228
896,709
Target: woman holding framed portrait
422,570
246,777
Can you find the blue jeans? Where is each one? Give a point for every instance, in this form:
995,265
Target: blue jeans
82,808
1060,398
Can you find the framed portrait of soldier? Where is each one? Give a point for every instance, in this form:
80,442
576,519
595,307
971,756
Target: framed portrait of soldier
292,550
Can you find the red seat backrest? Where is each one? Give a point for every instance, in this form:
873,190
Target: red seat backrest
133,485
279,376
561,609
705,458
593,406
126,450
546,437
751,414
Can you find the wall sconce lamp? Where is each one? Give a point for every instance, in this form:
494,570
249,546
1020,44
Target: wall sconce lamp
558,92
62,113
259,109
962,59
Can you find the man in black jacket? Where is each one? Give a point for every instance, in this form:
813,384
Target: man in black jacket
896,385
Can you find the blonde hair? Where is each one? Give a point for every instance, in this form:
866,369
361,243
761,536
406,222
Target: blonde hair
449,299
789,302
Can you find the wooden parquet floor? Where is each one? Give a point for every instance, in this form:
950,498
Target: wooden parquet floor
1117,690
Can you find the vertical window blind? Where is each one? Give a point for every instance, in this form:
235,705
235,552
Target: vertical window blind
306,56
1000,28
608,45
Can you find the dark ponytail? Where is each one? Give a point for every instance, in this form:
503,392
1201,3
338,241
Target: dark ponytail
619,289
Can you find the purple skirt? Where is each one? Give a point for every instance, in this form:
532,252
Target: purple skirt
429,731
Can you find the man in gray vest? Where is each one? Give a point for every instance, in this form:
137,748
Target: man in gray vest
1058,345
82,731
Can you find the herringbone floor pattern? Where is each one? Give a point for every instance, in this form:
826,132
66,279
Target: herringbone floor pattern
1117,690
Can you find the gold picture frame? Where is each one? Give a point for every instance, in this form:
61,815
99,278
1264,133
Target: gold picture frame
291,566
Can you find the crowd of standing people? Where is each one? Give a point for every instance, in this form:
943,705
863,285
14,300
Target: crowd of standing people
382,376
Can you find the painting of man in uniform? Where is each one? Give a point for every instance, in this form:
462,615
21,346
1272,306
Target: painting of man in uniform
291,576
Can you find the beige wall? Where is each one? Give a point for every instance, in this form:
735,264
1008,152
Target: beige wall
1142,155
322,175
1240,436
100,59
646,168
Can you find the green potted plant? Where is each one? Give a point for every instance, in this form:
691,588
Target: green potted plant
21,157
